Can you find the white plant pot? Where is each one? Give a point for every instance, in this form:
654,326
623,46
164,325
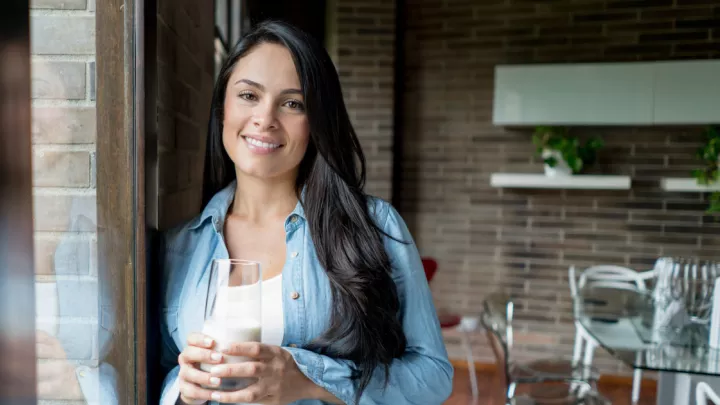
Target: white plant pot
560,169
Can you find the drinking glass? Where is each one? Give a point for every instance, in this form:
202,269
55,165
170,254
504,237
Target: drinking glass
233,311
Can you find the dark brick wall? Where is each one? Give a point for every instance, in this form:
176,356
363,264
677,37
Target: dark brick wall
185,66
360,36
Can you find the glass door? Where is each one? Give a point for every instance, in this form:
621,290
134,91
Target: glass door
71,221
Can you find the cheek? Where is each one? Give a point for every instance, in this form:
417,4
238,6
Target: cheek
235,116
301,134
234,119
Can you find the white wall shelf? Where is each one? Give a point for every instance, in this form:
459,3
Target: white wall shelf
579,181
686,185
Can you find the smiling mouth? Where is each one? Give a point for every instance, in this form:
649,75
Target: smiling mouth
260,144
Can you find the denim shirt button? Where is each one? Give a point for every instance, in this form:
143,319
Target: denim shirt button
295,295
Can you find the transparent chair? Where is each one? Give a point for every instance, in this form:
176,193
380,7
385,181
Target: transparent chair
547,381
605,277
705,395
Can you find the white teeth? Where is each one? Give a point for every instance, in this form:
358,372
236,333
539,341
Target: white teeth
260,144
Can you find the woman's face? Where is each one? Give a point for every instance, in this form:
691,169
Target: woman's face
265,127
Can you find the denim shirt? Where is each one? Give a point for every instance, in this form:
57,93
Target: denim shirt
423,375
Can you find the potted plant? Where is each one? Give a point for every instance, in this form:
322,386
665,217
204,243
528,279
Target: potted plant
562,154
709,174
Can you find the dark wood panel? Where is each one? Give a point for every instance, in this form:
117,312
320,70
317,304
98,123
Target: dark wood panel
17,299
121,256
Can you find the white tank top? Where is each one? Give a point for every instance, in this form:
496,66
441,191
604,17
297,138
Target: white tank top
273,323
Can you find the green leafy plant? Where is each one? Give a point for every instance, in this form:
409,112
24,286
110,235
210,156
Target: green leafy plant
573,153
709,174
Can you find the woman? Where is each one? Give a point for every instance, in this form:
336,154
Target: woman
355,321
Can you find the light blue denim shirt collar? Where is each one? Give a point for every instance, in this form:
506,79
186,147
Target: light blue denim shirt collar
217,208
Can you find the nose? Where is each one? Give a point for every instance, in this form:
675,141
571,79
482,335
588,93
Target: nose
263,118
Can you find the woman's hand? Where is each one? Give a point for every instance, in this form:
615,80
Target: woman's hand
199,350
280,381
56,377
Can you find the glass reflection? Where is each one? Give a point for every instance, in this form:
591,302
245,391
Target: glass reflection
74,309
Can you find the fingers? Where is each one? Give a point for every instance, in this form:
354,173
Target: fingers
251,394
193,354
57,380
48,347
253,350
199,350
192,393
200,340
53,369
44,337
49,351
191,374
244,369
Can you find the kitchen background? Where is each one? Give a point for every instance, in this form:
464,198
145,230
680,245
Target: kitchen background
523,241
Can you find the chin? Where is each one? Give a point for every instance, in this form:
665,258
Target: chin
258,171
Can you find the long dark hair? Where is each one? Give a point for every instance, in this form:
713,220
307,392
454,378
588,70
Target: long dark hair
364,324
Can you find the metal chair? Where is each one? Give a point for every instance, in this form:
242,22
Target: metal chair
464,325
549,381
703,392
610,277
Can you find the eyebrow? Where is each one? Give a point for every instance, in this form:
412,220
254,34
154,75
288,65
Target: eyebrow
262,88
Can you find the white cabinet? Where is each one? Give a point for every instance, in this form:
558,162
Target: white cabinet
573,94
687,92
635,93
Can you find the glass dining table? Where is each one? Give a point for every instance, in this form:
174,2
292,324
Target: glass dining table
623,322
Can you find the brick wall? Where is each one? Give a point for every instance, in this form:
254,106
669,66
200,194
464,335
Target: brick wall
523,241
361,40
64,137
185,69
63,129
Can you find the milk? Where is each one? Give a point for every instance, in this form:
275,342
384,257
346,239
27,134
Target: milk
225,334
235,319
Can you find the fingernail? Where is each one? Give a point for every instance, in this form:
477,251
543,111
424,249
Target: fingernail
216,356
215,396
216,370
208,342
214,381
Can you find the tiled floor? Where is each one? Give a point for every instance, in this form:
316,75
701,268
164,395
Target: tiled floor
490,392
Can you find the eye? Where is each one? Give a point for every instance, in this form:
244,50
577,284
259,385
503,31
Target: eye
295,105
249,96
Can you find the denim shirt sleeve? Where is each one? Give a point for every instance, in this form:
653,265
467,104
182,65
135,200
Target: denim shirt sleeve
98,384
423,375
169,351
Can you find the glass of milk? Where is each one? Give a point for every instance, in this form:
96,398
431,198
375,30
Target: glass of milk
233,312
